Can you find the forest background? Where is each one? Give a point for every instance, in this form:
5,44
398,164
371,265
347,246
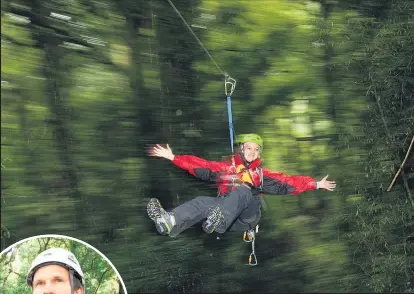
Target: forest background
87,86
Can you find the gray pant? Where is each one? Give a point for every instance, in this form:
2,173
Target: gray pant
241,211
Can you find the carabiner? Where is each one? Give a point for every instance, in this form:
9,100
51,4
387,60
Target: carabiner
248,236
232,82
252,259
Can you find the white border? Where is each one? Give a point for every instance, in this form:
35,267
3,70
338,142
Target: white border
73,239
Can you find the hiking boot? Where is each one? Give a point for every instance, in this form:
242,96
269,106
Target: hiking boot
163,220
215,221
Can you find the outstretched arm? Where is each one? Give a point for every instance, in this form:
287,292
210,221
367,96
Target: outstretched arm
203,169
282,184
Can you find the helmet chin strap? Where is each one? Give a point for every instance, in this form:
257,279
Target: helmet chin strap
72,287
71,281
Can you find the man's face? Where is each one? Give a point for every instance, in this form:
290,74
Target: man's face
251,151
52,279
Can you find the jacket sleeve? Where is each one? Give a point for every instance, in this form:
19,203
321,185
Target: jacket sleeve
201,168
282,184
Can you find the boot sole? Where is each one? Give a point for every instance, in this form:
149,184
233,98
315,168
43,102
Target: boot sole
154,211
214,220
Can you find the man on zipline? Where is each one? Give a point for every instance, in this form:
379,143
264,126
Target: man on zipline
240,183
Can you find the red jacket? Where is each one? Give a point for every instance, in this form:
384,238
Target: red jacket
222,173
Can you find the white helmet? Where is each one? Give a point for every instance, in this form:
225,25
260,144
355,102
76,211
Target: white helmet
58,256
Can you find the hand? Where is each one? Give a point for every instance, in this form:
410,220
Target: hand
160,151
328,185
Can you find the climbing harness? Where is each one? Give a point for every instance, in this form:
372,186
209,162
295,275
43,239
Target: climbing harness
249,236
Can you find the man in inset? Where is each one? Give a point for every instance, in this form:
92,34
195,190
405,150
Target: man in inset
56,271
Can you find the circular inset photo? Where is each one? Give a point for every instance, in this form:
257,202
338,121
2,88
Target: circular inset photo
57,264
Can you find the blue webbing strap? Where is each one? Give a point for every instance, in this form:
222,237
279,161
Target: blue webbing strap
232,82
230,124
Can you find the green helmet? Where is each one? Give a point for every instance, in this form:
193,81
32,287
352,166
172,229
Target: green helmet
243,138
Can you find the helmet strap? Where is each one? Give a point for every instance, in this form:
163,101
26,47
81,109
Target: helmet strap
71,271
